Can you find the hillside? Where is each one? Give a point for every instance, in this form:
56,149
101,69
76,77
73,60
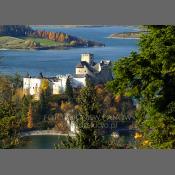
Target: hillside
16,37
7,42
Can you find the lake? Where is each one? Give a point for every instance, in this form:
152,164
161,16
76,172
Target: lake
52,62
40,142
48,142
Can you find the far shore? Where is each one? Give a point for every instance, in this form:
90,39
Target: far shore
112,37
49,48
127,35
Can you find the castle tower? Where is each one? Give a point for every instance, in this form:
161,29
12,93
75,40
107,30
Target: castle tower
87,57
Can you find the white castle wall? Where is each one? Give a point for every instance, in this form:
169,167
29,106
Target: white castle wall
59,86
32,85
82,71
79,82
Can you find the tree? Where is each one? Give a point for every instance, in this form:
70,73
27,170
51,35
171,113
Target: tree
149,77
30,118
60,123
66,106
44,95
44,85
88,121
69,91
9,132
5,89
26,101
10,122
17,81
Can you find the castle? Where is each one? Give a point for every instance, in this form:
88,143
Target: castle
97,73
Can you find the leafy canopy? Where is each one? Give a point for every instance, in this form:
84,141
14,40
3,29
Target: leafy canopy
149,76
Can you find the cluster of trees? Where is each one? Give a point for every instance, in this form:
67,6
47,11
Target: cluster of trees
91,111
90,108
15,30
19,112
56,36
63,37
13,109
149,77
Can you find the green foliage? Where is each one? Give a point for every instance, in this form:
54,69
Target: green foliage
149,76
9,132
88,121
43,103
12,113
17,81
5,89
15,30
69,91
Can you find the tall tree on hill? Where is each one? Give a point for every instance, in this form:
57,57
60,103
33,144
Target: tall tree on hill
30,118
149,76
88,121
10,123
45,92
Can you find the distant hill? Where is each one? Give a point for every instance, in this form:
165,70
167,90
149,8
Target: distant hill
42,38
15,30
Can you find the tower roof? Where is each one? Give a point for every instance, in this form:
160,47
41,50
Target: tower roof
80,65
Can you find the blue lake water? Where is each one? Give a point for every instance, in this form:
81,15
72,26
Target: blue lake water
52,62
40,142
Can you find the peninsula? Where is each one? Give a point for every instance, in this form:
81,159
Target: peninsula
127,35
24,37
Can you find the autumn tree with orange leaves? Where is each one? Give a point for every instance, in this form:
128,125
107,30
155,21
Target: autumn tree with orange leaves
30,118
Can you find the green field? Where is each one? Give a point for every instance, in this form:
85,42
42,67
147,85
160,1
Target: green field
45,42
7,42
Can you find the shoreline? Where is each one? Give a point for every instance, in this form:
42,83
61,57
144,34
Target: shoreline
117,37
127,35
45,133
49,48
